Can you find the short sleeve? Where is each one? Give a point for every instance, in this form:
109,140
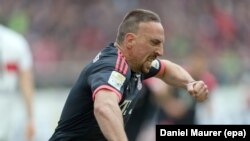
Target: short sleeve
156,67
25,58
105,74
17,48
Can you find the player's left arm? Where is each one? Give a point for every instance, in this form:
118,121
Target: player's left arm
26,84
26,87
177,76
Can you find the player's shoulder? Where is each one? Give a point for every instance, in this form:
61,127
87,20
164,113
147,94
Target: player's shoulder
111,58
107,55
11,33
13,38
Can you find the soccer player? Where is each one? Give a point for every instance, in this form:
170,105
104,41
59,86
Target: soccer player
15,70
102,99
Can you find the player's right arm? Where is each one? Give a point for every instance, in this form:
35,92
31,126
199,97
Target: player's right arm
109,115
108,78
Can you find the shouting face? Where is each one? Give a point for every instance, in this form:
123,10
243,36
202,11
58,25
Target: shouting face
147,46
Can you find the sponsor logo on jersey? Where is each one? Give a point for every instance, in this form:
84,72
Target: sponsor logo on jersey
125,107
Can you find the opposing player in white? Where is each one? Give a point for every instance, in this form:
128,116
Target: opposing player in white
15,76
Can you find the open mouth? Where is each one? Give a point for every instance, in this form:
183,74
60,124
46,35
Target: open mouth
151,59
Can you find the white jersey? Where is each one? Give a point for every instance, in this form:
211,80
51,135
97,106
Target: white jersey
15,55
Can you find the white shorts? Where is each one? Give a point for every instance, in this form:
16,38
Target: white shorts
11,116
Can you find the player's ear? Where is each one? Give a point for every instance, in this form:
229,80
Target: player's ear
130,40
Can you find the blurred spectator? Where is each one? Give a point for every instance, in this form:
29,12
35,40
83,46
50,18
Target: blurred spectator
15,68
219,28
199,70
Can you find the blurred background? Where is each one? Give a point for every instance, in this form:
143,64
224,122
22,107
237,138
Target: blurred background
210,38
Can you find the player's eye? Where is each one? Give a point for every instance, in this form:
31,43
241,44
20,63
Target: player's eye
155,42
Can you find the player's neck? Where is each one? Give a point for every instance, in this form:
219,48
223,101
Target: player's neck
125,53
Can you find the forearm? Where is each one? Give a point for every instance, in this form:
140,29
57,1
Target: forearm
28,103
111,124
175,75
26,85
109,118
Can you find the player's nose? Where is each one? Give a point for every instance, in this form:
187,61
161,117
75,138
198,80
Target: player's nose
159,51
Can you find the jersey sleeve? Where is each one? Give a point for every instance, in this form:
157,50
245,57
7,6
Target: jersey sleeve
109,73
25,57
156,67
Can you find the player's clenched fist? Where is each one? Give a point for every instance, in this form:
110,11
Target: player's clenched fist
198,89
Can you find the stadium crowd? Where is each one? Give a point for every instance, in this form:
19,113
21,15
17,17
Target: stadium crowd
69,33
209,38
